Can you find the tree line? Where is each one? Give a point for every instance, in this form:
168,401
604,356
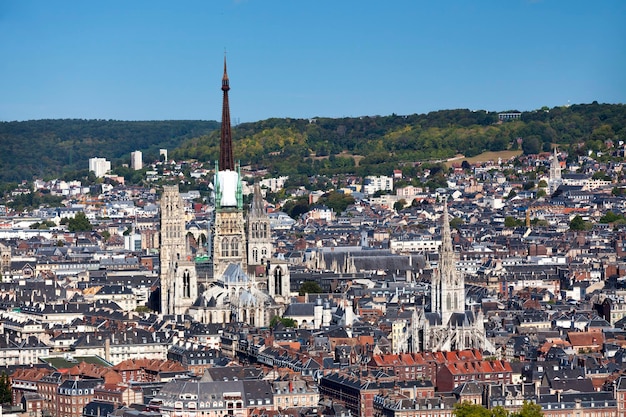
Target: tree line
370,145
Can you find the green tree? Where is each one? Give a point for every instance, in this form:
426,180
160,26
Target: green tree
531,145
309,287
337,201
287,322
510,221
601,175
295,208
79,223
610,217
467,409
456,222
5,389
399,205
529,409
577,223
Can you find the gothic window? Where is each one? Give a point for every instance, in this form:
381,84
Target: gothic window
456,302
448,302
255,255
264,252
224,247
278,280
234,247
186,284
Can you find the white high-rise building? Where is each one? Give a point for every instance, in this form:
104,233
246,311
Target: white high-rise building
99,166
377,183
136,160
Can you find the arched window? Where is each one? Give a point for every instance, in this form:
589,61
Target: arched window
186,284
278,281
255,255
234,247
224,247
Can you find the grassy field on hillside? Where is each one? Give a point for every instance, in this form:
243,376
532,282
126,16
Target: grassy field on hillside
484,157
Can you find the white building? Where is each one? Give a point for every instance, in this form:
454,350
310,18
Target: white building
274,184
377,183
99,166
414,244
136,160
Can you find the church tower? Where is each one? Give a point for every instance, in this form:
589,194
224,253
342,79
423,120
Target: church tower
448,290
179,283
555,173
259,236
229,238
448,326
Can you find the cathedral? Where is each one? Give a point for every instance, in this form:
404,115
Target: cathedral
248,285
448,326
179,282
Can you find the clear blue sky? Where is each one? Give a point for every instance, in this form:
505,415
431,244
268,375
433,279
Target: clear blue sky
157,60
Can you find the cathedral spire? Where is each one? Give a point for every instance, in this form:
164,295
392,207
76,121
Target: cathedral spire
446,238
226,140
258,208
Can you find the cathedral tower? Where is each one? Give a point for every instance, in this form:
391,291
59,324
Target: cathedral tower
179,283
448,289
229,238
448,326
259,236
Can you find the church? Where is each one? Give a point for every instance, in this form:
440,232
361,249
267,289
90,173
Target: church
248,285
448,326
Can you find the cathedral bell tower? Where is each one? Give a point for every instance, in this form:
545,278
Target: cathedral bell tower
179,282
259,236
448,290
229,238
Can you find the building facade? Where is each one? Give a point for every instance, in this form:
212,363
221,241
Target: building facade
179,281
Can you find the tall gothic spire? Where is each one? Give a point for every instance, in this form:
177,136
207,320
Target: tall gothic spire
446,238
226,140
258,208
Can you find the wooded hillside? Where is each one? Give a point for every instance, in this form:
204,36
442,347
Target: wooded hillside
322,145
49,148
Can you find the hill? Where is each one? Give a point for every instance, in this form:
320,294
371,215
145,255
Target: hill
50,148
376,145
302,147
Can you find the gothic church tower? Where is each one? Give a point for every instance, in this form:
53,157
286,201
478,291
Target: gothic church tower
229,238
259,236
179,283
448,289
448,326
555,179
